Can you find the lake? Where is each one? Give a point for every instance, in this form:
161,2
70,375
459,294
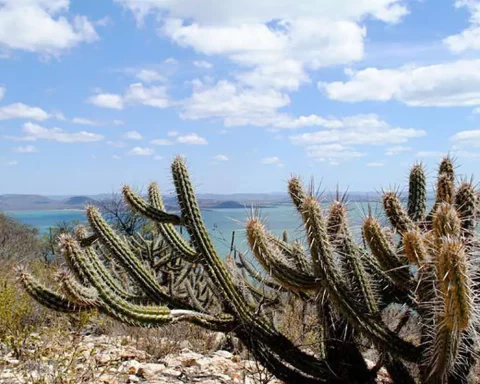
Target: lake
219,222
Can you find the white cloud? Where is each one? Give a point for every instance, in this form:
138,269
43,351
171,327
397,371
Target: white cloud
220,158
22,111
94,123
202,64
155,96
359,130
172,133
25,149
84,121
149,76
3,90
161,142
158,158
266,37
342,136
107,100
135,94
397,150
233,104
375,164
442,85
469,138
36,132
141,151
132,135
332,153
307,42
192,138
116,157
251,11
11,163
469,38
271,160
42,26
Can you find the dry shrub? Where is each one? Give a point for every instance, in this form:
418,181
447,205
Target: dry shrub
170,339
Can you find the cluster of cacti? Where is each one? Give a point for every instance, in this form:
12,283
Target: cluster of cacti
421,268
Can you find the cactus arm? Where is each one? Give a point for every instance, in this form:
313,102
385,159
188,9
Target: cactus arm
350,256
296,192
445,190
417,193
335,221
455,285
383,251
456,306
446,223
358,279
256,275
75,291
339,294
415,248
112,282
201,240
192,294
444,351
167,231
466,204
272,260
47,297
292,252
165,228
146,316
147,210
132,265
396,214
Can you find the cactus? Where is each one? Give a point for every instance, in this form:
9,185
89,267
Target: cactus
428,274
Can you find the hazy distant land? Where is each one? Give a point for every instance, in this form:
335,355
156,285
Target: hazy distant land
18,202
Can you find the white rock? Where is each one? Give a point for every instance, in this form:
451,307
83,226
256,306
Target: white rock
171,372
150,370
130,366
225,354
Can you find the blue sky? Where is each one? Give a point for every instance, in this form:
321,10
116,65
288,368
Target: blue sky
94,94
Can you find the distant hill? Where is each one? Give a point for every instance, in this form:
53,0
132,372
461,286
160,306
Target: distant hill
41,203
14,202
79,200
229,204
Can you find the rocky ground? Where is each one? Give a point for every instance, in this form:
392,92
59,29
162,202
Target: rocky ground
110,360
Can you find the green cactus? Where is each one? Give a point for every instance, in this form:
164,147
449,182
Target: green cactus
427,274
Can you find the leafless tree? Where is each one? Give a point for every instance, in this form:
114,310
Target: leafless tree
120,216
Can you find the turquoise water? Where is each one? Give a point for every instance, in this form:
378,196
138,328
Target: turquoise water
219,222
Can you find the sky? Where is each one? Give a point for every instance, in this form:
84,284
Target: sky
96,94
